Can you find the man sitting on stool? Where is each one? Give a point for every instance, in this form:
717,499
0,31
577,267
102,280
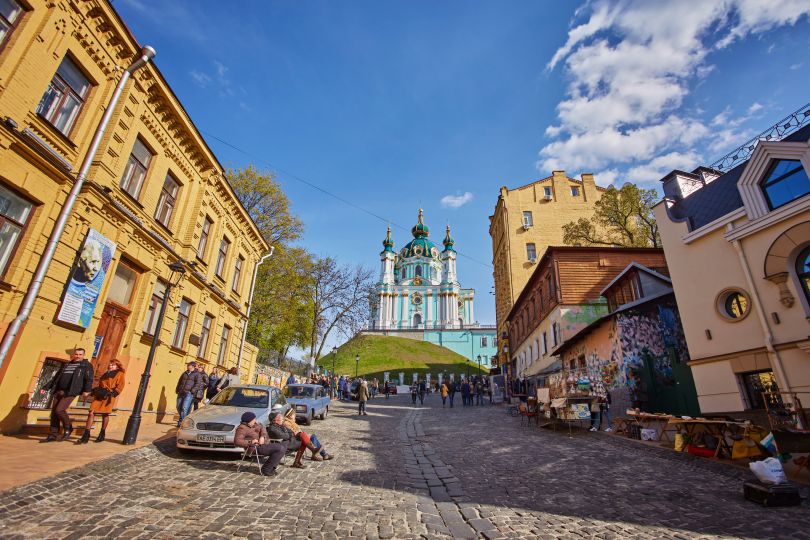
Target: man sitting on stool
251,434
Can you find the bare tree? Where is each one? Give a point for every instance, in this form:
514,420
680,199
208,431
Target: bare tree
339,300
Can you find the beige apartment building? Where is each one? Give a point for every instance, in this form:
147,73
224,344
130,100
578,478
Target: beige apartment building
155,194
526,221
738,249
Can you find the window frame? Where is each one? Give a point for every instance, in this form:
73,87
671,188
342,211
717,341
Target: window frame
766,182
533,249
12,26
222,255
748,397
530,221
236,279
205,234
205,335
178,336
721,303
22,226
66,90
162,201
803,276
225,337
575,192
153,309
125,263
137,166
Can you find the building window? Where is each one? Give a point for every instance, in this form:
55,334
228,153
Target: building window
418,271
555,334
754,383
182,323
14,214
527,219
10,11
575,191
531,252
167,200
223,345
483,341
65,96
803,271
207,323
786,181
150,325
123,283
237,273
547,192
733,304
138,164
224,245
206,231
545,343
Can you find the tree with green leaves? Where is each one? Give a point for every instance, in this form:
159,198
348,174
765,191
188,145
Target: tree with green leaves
622,217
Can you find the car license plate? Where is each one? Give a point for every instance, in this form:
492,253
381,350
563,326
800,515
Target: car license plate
211,438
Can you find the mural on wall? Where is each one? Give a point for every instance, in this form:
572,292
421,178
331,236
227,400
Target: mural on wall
613,357
576,318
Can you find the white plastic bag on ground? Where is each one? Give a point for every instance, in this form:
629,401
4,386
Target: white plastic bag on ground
769,471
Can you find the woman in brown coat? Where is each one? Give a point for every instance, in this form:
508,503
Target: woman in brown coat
104,395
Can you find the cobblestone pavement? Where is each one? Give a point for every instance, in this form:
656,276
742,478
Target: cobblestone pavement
404,472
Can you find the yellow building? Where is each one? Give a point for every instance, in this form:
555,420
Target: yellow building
155,194
526,221
738,249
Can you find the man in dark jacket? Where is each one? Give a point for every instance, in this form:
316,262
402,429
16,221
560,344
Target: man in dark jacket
200,394
73,378
190,382
251,434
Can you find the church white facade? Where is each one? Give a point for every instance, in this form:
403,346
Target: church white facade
418,287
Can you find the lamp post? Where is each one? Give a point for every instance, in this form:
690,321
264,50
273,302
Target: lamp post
479,365
334,355
13,329
356,364
134,422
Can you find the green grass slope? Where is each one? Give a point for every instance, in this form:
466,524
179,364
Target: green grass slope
379,354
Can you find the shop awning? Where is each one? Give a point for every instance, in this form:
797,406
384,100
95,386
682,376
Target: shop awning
538,369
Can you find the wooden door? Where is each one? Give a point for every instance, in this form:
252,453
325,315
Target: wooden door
110,331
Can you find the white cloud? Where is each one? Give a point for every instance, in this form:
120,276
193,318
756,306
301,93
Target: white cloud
630,66
200,78
456,201
796,66
217,79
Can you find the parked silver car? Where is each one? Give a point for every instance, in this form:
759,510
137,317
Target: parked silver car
308,401
212,428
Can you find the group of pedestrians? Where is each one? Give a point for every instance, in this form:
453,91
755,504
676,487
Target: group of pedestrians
418,390
474,391
195,386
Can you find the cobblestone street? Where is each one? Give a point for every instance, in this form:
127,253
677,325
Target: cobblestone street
402,472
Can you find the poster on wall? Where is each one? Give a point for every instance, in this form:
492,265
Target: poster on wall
86,279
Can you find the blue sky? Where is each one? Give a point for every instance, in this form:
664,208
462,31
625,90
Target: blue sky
400,105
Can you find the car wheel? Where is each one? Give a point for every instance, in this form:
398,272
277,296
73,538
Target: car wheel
324,413
310,417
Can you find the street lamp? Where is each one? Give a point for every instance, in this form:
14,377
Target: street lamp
479,365
356,364
334,355
134,422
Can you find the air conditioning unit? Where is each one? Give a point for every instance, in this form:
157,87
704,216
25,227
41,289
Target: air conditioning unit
526,225
532,260
547,196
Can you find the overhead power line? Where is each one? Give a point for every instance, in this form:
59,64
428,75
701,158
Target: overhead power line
313,185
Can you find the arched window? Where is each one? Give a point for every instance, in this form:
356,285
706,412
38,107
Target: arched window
419,271
803,271
417,319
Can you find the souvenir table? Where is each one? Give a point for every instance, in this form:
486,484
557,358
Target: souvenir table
571,409
658,422
718,429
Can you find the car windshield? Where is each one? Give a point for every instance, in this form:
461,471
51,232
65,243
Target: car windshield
252,398
299,391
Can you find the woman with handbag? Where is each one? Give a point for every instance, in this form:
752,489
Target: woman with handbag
110,385
308,442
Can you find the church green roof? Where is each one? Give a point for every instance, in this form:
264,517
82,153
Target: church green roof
420,246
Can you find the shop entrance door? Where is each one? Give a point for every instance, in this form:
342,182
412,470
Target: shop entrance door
110,332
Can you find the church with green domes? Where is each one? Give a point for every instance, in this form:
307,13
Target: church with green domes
418,295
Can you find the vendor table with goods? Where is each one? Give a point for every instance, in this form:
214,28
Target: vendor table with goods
657,422
721,430
571,409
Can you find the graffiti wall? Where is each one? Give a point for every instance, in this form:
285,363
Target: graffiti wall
638,355
575,318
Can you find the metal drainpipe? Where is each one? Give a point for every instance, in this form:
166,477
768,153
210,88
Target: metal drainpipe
763,319
13,330
250,305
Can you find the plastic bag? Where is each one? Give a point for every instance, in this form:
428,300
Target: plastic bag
769,471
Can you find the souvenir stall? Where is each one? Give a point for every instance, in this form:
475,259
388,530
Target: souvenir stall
570,397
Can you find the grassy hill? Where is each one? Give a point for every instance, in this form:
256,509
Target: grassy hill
379,354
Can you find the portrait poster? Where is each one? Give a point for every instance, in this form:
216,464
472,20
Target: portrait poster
86,279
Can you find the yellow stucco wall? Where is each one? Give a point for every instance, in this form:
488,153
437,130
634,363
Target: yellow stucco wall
93,36
509,238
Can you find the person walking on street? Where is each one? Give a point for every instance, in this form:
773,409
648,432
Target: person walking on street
444,393
422,391
362,397
73,378
453,388
253,435
465,393
200,395
479,391
414,393
230,378
110,386
189,383
213,380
